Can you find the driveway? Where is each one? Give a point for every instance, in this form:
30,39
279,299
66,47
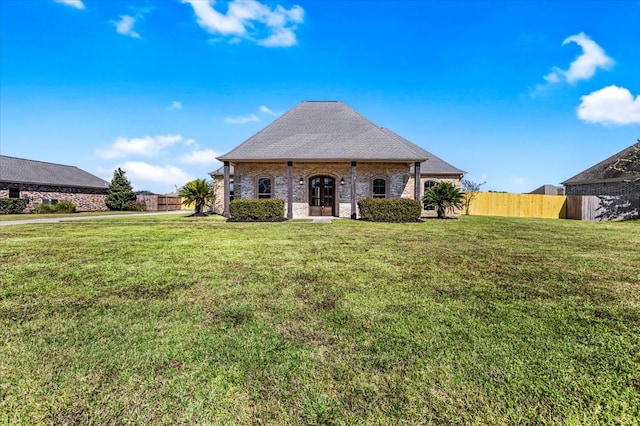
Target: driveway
70,218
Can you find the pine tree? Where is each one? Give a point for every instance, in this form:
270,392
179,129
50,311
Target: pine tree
120,192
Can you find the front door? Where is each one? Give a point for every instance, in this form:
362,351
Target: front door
321,196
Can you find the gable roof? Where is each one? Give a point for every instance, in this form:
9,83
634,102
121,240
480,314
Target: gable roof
19,170
325,131
603,172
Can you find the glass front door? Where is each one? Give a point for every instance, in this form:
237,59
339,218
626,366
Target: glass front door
321,196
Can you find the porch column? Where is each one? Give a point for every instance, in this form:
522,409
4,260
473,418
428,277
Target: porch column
289,189
353,190
416,178
227,188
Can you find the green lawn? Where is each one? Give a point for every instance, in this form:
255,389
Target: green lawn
163,321
7,217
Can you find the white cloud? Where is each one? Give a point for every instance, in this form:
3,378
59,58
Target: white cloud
73,3
205,156
138,171
585,65
610,105
265,110
251,20
125,26
147,146
241,120
176,105
593,57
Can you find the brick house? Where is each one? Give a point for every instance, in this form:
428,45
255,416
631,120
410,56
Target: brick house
618,192
321,158
39,182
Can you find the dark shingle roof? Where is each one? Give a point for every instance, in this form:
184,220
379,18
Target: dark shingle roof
19,170
603,171
325,131
220,171
434,165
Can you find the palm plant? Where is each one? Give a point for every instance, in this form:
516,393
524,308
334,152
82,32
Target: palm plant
198,192
444,196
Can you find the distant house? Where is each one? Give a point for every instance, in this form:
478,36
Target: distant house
548,190
321,158
39,182
618,192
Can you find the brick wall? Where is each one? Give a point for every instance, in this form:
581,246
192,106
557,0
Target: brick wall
604,188
85,199
398,177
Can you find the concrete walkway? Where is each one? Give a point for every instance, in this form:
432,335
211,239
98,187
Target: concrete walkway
314,219
71,218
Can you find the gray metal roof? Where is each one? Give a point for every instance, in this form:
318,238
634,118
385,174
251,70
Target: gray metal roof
325,131
19,170
603,172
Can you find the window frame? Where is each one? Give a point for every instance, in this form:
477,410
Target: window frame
264,195
373,187
426,206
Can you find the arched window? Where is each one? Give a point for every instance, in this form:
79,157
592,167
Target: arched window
379,188
264,188
428,184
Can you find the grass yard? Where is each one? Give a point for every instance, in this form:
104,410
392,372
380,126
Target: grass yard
478,320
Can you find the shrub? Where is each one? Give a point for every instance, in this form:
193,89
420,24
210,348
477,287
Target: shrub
444,196
64,207
390,209
257,210
12,205
136,206
60,207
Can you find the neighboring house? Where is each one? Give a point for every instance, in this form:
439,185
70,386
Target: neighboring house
618,192
321,158
38,182
548,190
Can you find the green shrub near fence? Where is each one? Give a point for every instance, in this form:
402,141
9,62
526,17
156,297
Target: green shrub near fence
59,207
136,206
12,205
390,209
256,210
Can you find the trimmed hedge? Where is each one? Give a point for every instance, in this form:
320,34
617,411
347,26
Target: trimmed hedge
256,210
12,205
136,206
59,207
390,209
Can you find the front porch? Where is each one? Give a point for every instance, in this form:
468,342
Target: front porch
312,189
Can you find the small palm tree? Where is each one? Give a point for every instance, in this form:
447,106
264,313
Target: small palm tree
444,196
198,192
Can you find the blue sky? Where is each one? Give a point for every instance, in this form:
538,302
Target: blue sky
516,93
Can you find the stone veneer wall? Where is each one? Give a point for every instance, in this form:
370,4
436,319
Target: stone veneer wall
85,199
398,177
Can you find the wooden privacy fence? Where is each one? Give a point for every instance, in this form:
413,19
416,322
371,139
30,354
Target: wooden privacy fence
160,202
593,207
518,205
585,207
